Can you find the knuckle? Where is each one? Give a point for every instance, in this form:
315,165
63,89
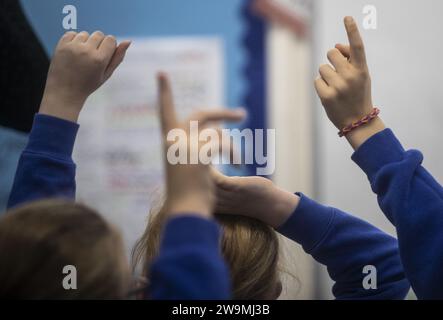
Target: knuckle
69,33
112,39
359,46
341,88
63,50
363,74
97,59
353,27
331,53
329,97
323,68
356,75
81,49
349,77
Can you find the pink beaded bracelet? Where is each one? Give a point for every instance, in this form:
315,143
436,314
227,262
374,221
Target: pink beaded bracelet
374,113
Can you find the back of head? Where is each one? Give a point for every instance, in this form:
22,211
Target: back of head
38,240
250,248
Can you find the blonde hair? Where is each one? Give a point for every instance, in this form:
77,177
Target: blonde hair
39,239
250,248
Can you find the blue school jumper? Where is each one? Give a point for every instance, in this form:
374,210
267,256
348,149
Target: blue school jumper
413,201
190,265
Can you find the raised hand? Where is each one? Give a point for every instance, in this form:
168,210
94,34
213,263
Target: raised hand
345,88
190,187
254,197
81,64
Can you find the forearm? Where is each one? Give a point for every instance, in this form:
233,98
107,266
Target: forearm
346,245
190,265
413,201
45,168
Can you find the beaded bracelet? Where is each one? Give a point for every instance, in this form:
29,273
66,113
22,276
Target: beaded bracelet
374,113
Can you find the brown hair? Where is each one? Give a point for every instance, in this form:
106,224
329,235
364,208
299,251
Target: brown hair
250,248
38,240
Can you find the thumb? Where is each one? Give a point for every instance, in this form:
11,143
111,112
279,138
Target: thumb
219,178
117,58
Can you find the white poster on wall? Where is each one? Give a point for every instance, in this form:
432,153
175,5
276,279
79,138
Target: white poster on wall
118,150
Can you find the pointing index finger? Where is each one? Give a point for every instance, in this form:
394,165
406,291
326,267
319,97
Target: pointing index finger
167,112
357,49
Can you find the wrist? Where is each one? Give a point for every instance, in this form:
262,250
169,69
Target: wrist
61,106
189,206
285,204
361,134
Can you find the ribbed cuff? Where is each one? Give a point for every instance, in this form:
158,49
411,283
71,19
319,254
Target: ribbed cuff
379,150
309,223
52,135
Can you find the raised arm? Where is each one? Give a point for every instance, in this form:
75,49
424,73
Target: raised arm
45,168
408,195
189,264
347,246
341,242
413,201
81,64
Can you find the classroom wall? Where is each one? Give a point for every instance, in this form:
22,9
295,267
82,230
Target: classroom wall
404,55
158,18
290,114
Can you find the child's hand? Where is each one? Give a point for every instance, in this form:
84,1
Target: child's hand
81,64
254,197
190,188
345,90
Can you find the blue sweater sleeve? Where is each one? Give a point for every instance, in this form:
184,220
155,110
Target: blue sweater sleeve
345,245
413,201
45,168
190,265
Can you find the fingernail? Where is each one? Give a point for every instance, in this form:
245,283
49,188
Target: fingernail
128,45
161,76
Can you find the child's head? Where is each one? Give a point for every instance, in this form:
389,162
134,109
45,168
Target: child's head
250,248
38,240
